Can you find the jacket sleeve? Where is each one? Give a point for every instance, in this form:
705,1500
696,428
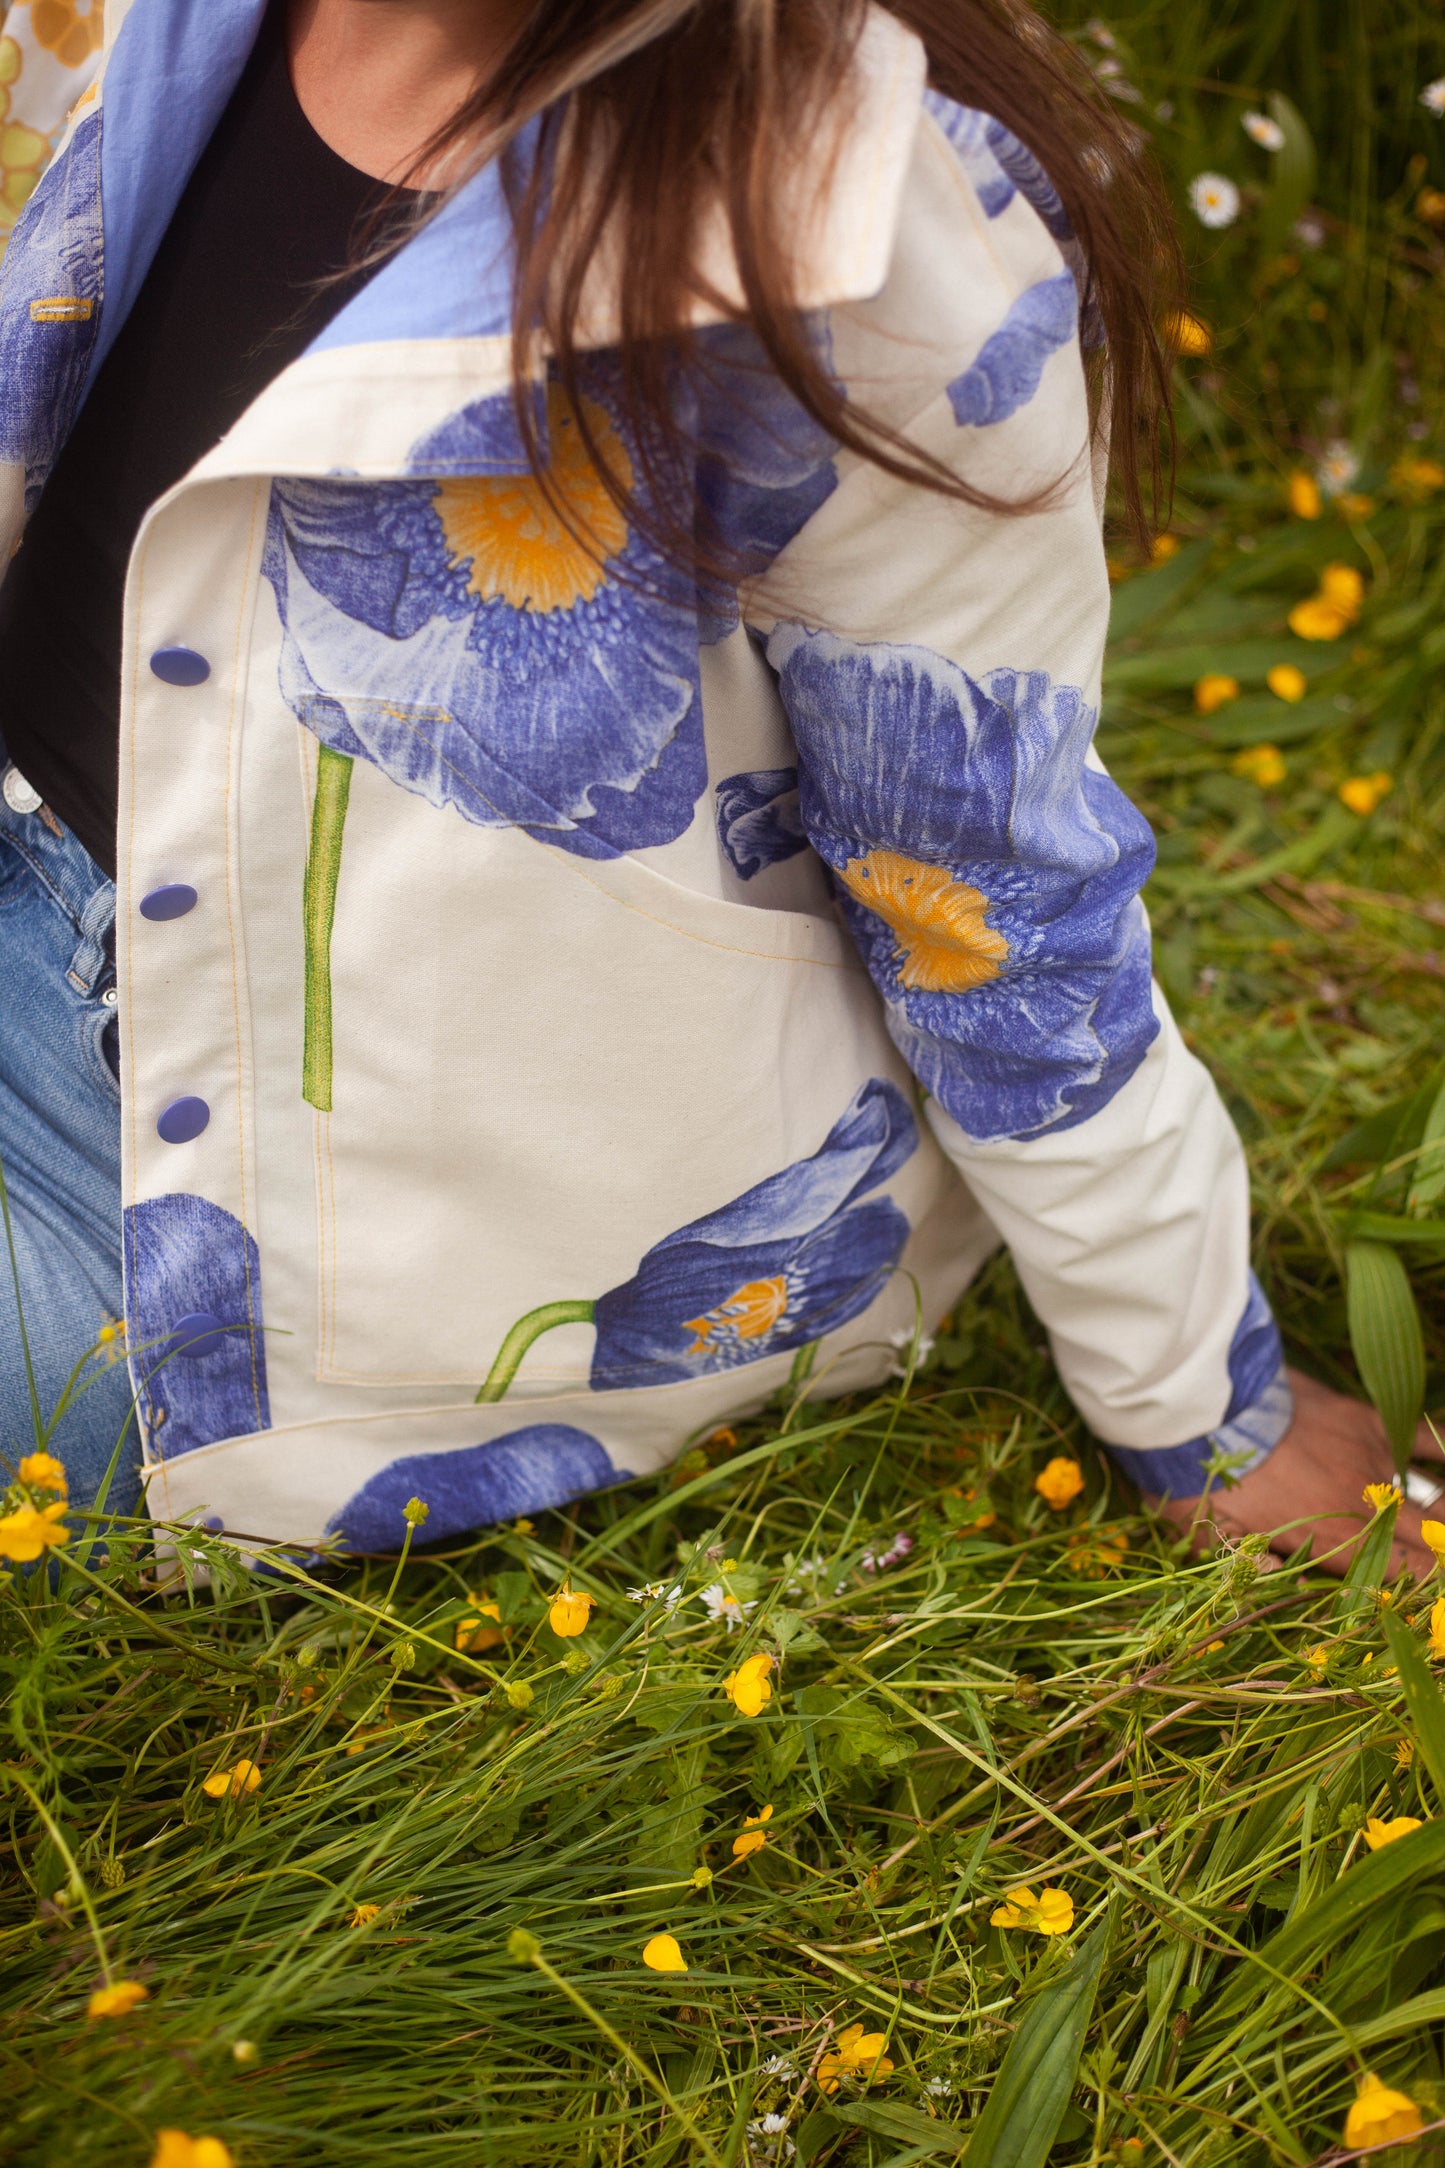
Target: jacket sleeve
940,667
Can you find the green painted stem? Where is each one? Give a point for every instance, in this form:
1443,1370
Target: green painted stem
318,908
520,1338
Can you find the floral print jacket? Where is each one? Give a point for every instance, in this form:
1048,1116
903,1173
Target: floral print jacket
562,1005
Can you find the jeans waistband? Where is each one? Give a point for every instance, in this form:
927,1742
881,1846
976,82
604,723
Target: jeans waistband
67,869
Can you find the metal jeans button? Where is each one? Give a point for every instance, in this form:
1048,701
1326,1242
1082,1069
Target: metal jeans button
20,795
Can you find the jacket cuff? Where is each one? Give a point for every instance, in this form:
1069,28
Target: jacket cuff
1260,1411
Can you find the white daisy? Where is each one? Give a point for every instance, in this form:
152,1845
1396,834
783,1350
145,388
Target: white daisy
1260,129
1432,97
1337,469
1309,231
903,1340
939,2086
779,2066
1214,199
719,1604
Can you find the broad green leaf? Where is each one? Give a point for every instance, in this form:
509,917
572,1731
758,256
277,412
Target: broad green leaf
1384,1227
1293,166
1022,2114
1385,1336
1428,1186
892,2119
1422,1698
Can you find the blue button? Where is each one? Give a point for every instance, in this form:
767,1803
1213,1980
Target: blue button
182,1120
172,901
197,1333
180,666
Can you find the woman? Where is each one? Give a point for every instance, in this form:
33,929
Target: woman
563,588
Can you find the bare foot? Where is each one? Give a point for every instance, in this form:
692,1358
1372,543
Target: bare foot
1312,1486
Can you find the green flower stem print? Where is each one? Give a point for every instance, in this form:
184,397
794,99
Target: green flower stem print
770,1273
318,909
520,1338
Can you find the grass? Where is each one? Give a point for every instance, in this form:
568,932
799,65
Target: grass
1018,1695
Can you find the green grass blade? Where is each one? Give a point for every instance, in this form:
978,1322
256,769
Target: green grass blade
1423,1698
1385,1336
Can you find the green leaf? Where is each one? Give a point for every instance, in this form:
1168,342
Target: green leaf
1384,1227
891,2119
1021,2117
1429,1183
1423,1698
1294,173
1385,1335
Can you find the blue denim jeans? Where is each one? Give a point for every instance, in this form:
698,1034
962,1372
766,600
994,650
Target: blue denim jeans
60,1150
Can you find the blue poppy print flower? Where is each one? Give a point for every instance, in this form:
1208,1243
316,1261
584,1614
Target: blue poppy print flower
989,877
764,466
788,1261
46,349
456,633
1260,1410
1006,371
758,822
791,1259
998,164
186,1258
526,1471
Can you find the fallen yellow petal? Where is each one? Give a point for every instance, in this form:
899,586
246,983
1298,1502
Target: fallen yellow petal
1380,2114
117,2000
663,1954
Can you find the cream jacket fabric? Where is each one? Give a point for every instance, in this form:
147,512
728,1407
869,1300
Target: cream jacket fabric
606,1001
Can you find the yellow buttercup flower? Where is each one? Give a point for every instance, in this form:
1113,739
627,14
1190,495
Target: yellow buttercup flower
1354,506
1378,1833
1380,1495
1214,690
750,1688
855,2054
1187,334
29,1532
1343,588
1404,1754
364,1915
1163,547
1434,1534
1317,1659
1379,2114
174,2149
1362,793
1286,682
1418,476
754,1836
1050,1913
233,1783
1303,493
1437,1627
1261,764
1317,619
569,1612
118,2000
663,1954
1060,1482
471,1635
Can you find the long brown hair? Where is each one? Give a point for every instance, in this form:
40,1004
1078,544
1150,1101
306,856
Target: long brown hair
651,113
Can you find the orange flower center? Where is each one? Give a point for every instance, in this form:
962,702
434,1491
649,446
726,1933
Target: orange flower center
508,531
948,945
748,1314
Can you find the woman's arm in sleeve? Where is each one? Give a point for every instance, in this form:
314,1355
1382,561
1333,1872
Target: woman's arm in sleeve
940,666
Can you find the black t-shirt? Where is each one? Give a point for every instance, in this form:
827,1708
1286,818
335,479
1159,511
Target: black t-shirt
234,294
